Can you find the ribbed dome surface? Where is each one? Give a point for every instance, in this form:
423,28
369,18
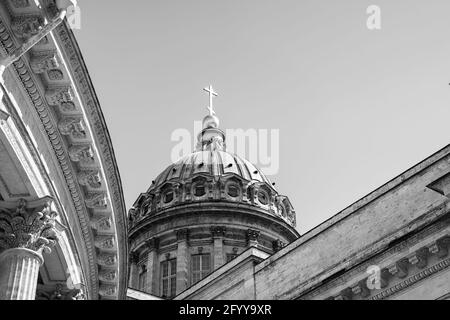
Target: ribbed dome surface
216,163
212,175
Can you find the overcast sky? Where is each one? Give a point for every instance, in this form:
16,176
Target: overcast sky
354,107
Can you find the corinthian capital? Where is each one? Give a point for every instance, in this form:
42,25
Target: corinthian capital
29,225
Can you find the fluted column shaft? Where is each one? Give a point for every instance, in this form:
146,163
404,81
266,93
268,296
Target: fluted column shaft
218,234
19,269
134,274
152,261
182,261
29,228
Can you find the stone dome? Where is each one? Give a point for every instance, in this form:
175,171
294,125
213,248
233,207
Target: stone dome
210,206
211,174
214,163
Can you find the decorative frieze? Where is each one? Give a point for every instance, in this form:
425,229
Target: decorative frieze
108,291
82,153
73,127
97,200
107,275
105,242
203,186
412,280
68,107
218,231
400,270
440,248
44,62
107,259
58,96
419,258
90,178
104,225
28,225
361,288
24,27
55,75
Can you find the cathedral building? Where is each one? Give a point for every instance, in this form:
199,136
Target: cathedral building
210,226
391,244
201,213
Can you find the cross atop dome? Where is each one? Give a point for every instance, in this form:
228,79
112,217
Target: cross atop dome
212,94
211,137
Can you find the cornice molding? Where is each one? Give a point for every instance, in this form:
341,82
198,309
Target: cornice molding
103,140
440,266
213,207
413,252
357,262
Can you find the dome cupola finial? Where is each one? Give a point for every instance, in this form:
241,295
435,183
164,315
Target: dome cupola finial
211,121
211,137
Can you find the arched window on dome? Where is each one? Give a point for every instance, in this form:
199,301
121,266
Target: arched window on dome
200,190
199,187
168,196
233,188
263,197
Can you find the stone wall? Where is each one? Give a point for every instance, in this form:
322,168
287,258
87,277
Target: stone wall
403,228
368,226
